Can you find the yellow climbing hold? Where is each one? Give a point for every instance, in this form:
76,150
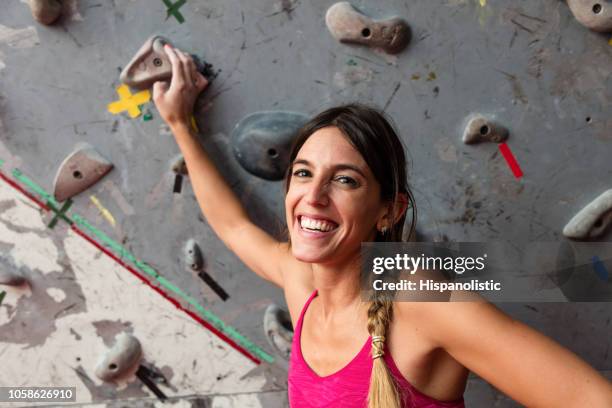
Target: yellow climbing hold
105,213
610,41
483,3
129,102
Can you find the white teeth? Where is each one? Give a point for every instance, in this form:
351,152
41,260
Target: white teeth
317,225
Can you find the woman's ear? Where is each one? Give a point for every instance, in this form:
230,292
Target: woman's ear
401,205
393,212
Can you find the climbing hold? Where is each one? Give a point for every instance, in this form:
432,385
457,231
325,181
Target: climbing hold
482,129
179,166
10,278
45,11
120,359
279,330
592,220
348,25
151,64
80,170
593,14
193,255
262,142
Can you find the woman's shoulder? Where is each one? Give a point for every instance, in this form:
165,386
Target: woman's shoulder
433,319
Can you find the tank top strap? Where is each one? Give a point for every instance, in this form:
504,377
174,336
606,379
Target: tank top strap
298,329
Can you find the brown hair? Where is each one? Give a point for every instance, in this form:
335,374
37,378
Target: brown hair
371,134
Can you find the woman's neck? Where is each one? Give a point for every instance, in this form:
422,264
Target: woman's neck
338,289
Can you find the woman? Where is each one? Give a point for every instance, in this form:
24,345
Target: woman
347,184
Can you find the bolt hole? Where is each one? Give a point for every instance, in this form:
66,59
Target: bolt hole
78,359
588,119
272,153
366,32
112,366
484,129
597,8
77,174
157,62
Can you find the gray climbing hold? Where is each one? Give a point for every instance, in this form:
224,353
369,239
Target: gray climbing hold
593,14
348,25
45,11
10,278
151,64
278,329
482,129
120,359
593,220
193,256
262,142
80,170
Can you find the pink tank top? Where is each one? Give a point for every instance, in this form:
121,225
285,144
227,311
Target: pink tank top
349,386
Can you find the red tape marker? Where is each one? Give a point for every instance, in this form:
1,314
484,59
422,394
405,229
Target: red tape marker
511,160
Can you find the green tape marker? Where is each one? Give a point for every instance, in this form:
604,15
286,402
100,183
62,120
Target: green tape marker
173,10
124,254
60,213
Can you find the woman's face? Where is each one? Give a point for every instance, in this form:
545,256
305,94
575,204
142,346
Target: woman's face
333,202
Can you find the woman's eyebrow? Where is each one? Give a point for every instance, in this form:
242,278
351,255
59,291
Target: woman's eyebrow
341,166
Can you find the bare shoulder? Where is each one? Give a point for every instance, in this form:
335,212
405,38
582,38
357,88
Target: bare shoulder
436,320
298,282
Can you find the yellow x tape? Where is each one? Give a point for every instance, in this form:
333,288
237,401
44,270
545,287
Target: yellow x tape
129,102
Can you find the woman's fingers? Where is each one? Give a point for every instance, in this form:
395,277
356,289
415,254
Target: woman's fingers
178,78
159,89
201,82
184,58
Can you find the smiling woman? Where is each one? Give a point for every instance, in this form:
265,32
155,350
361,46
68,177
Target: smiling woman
346,185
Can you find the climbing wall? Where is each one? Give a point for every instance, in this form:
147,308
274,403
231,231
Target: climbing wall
112,259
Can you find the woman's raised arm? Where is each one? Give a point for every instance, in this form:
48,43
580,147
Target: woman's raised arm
222,209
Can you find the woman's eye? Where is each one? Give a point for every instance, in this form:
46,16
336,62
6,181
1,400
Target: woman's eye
346,180
301,173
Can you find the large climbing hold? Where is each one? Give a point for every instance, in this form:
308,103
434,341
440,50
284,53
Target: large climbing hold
262,142
151,64
121,359
45,11
482,129
279,330
80,170
593,220
348,25
593,14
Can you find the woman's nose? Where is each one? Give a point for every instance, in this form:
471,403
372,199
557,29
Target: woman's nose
317,193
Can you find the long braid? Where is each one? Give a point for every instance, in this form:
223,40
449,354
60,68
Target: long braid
383,392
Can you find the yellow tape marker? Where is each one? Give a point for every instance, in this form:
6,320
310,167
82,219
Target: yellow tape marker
129,102
105,213
610,41
194,125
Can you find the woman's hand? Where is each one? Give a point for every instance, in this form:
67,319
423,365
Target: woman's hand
175,100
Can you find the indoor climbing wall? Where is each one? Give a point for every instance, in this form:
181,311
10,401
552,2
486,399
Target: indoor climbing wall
504,109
